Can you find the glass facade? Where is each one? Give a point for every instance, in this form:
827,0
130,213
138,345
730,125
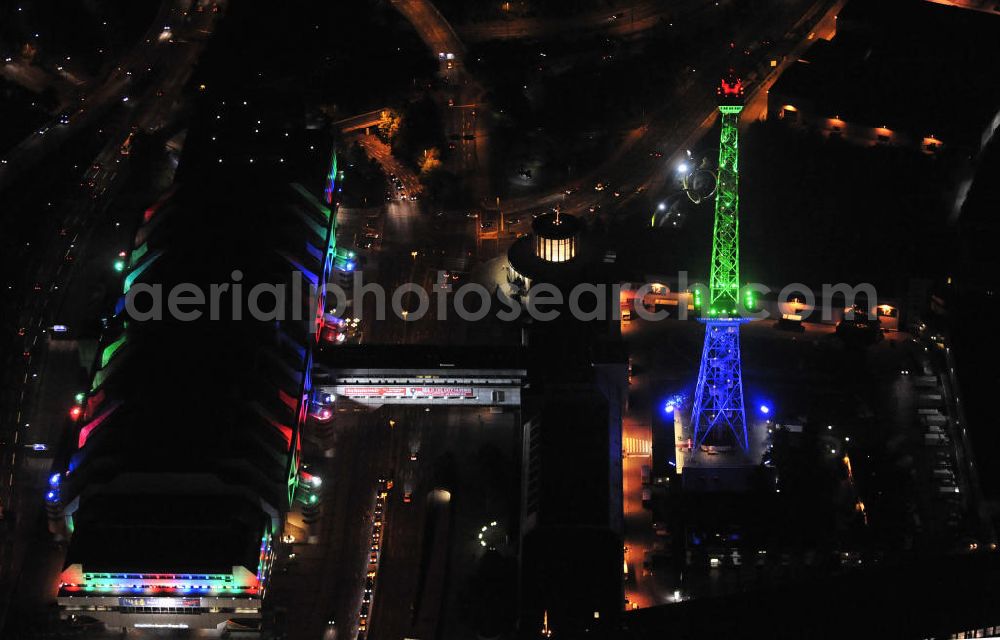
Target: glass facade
555,249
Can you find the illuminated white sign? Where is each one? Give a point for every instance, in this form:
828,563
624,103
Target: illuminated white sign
166,603
407,392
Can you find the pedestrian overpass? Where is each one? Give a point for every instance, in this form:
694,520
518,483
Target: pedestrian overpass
370,376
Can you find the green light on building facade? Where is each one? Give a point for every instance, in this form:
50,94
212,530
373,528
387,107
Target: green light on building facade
110,351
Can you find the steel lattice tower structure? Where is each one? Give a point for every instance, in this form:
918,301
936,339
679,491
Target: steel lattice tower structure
718,415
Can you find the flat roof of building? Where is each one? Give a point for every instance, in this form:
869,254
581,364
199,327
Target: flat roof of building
216,394
908,65
421,357
166,534
926,597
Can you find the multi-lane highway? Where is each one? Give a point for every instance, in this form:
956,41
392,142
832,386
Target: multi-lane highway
461,97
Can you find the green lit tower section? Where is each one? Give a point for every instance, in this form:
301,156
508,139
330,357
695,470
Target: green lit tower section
718,415
724,284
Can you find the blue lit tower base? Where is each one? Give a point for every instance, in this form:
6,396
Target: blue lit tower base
718,416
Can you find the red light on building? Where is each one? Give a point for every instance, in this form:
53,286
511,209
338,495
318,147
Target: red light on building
76,412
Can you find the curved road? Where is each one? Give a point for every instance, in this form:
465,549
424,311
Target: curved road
623,21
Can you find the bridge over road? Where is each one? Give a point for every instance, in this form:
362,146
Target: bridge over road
370,376
362,121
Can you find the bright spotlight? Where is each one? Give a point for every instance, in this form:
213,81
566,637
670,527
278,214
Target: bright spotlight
765,409
683,168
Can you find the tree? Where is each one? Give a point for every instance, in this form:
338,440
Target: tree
430,162
388,125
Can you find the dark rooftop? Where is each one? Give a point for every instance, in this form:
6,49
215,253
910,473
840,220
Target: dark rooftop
556,226
166,534
408,356
893,63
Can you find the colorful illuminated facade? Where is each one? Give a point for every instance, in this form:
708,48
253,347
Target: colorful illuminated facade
188,441
718,416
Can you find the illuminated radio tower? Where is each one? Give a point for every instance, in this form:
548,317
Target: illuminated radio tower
718,415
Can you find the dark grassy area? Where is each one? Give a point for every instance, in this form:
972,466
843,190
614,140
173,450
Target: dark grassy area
818,211
23,113
815,211
91,33
349,57
460,11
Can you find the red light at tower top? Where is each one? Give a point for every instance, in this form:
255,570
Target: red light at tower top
731,87
735,89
